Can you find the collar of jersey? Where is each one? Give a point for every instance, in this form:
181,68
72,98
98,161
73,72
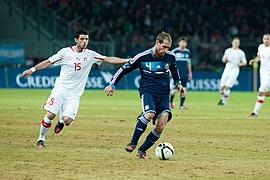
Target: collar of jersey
151,51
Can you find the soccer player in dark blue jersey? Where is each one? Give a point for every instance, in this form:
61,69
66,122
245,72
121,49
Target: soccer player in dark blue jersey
155,65
183,64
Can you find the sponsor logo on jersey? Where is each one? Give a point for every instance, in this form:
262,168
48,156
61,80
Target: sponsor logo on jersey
68,58
167,66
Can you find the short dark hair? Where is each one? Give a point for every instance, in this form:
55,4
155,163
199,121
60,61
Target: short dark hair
236,37
182,38
163,35
79,32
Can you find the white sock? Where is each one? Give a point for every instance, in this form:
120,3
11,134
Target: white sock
44,127
226,95
222,95
259,103
61,121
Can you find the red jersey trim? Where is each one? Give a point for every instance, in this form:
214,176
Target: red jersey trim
71,48
102,59
56,61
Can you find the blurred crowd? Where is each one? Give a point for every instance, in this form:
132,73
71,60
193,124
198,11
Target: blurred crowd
208,24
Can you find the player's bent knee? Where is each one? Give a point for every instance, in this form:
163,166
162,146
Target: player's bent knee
50,115
149,116
160,128
261,93
67,120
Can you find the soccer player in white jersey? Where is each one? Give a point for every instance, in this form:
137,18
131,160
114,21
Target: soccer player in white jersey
234,58
263,56
76,62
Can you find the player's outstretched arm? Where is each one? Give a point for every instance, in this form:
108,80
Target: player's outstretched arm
115,60
39,66
109,90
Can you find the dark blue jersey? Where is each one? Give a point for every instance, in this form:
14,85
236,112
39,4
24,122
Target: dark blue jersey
155,72
182,60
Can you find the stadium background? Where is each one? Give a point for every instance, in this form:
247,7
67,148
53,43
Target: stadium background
210,141
33,30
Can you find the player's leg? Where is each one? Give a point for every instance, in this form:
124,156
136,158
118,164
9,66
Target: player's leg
142,120
229,84
183,98
264,88
221,92
226,93
164,115
258,104
67,113
172,95
44,127
172,92
223,81
52,106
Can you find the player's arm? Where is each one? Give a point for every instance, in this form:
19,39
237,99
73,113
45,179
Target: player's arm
242,63
176,78
243,59
125,69
115,60
257,59
42,65
189,70
224,59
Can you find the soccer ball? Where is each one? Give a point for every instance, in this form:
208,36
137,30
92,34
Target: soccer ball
164,151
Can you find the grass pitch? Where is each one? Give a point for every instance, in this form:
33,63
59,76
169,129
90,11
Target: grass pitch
210,142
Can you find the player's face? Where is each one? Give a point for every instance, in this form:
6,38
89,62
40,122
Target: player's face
182,44
236,43
266,40
162,48
82,41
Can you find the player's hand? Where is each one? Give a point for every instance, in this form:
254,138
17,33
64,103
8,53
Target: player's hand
109,90
251,61
27,73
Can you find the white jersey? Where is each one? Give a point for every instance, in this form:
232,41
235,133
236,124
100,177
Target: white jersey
264,54
234,56
75,68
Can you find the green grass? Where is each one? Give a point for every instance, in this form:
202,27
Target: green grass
210,142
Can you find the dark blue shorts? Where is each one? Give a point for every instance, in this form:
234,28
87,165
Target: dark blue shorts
157,105
184,81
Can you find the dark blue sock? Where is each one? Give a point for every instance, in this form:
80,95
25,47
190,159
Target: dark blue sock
152,137
139,129
182,101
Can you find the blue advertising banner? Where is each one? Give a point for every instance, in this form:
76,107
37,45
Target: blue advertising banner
98,79
2,78
209,81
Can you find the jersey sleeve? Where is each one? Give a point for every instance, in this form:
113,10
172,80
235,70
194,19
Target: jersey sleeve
125,69
225,54
189,56
98,58
57,58
259,50
243,57
174,72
